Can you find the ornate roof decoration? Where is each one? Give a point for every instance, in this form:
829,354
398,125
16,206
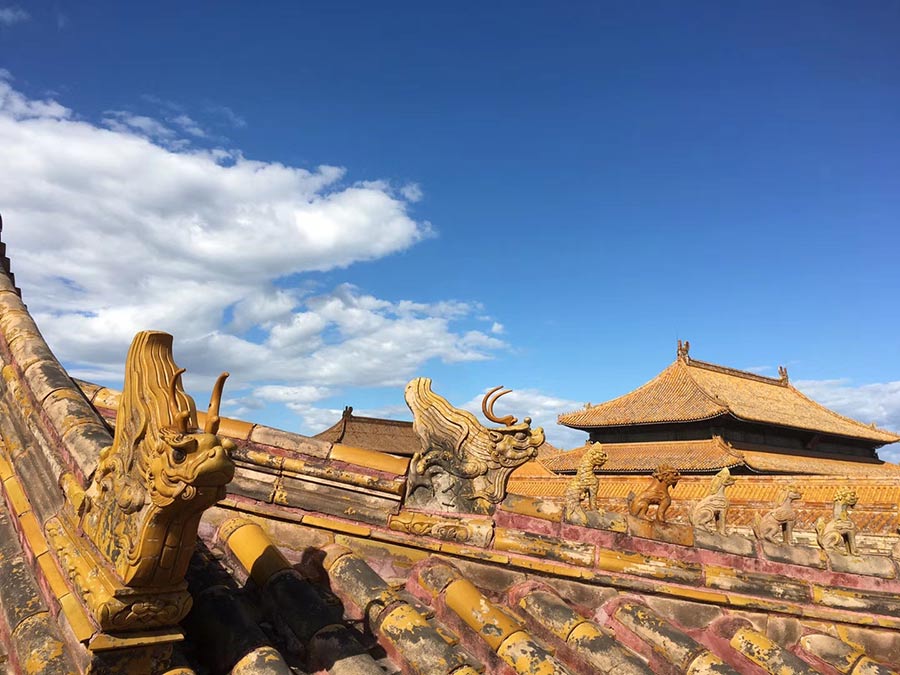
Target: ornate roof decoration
463,466
690,390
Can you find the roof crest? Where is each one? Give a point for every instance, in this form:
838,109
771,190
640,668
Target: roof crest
725,370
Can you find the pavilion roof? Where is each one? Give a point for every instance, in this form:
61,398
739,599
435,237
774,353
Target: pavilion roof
395,437
690,390
712,454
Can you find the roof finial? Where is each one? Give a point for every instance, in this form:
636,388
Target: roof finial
782,373
348,411
684,349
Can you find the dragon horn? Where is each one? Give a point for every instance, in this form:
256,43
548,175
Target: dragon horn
487,407
179,417
212,415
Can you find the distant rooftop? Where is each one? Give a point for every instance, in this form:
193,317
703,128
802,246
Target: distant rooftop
690,390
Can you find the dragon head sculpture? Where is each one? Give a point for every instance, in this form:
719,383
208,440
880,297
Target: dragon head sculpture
463,466
161,472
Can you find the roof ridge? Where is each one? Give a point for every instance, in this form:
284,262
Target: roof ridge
687,362
388,420
646,384
726,370
719,440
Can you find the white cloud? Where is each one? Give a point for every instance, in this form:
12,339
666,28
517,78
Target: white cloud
497,328
285,394
878,402
146,127
228,115
12,15
541,408
188,125
412,192
120,226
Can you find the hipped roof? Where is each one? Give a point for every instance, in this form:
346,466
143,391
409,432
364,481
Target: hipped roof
690,390
712,454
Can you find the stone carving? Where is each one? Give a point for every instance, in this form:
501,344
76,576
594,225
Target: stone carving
711,512
683,352
839,534
584,485
463,466
657,494
152,485
777,526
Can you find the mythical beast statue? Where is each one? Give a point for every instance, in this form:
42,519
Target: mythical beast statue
777,526
711,512
463,467
657,493
152,485
585,485
839,533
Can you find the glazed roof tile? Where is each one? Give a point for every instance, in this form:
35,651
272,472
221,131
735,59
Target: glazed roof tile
392,436
772,462
711,455
690,390
697,455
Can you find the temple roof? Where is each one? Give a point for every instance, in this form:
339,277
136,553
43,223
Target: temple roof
690,390
712,454
395,437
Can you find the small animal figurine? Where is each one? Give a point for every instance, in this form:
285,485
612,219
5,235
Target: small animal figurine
839,534
710,512
585,484
657,494
777,526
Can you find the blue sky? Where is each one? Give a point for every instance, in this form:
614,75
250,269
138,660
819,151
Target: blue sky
531,195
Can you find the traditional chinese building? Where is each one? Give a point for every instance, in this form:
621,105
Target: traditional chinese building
394,437
139,536
700,418
712,416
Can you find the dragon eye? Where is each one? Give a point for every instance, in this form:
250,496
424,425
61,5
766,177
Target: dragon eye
178,455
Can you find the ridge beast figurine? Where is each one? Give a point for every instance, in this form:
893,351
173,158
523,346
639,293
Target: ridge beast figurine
839,533
463,466
710,512
657,493
152,485
777,526
584,485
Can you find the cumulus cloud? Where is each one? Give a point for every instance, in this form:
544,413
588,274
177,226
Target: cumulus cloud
878,402
122,225
10,16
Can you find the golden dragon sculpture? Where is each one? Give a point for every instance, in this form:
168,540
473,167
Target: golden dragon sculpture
151,486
